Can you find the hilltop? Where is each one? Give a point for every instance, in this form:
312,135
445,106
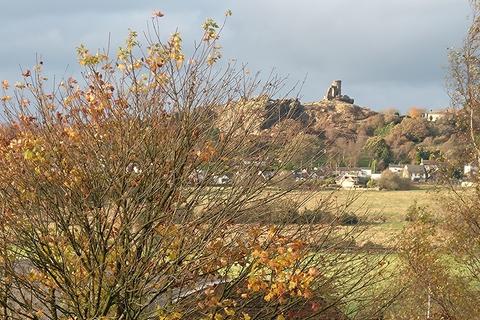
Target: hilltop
352,135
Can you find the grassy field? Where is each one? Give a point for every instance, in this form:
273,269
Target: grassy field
387,208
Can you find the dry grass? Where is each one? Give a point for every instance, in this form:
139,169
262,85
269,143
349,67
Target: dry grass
385,209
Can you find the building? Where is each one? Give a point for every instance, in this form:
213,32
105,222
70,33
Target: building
349,181
360,172
222,180
414,172
434,116
396,168
470,170
432,167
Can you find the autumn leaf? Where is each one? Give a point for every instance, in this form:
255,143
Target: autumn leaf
210,27
5,84
20,85
157,14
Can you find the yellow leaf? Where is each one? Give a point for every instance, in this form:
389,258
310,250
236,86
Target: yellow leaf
246,316
229,312
280,317
28,155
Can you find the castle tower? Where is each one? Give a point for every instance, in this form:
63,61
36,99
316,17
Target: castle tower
334,91
338,85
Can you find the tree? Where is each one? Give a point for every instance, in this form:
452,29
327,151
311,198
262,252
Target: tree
392,181
415,130
309,150
440,252
464,84
108,203
379,150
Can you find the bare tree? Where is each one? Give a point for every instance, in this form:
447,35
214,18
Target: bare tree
123,195
464,80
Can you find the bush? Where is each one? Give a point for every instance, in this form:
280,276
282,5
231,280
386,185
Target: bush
392,181
412,212
284,212
370,245
316,216
372,183
418,213
349,219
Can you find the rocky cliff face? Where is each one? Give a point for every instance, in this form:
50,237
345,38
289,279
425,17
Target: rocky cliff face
278,110
336,115
315,117
264,115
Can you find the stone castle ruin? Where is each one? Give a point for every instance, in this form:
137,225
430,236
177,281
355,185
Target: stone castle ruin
334,92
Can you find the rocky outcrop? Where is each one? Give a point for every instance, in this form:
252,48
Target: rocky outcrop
282,109
334,92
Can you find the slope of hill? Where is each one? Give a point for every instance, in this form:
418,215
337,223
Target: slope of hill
352,135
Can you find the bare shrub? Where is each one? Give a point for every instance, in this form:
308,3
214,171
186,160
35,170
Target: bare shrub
108,205
392,181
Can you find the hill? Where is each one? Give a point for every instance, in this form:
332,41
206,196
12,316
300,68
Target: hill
350,135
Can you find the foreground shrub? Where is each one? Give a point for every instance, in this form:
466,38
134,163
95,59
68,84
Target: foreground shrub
108,208
349,219
392,181
372,183
284,212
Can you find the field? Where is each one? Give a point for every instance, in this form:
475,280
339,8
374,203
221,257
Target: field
386,208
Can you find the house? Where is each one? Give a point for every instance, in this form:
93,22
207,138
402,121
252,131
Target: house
434,116
470,170
431,167
267,174
300,175
349,181
197,176
361,172
414,172
396,168
222,180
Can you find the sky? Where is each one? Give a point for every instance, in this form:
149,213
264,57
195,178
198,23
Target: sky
388,53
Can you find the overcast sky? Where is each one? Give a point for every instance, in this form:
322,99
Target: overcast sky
389,53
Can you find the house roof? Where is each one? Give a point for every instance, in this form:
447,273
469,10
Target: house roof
430,162
413,168
439,111
399,166
352,168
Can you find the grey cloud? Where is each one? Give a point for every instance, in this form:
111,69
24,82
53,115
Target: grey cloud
387,52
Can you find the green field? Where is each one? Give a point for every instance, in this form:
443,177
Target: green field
386,208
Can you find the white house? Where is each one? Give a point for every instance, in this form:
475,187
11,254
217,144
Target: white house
470,170
431,167
434,116
349,181
361,172
221,180
414,172
396,168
